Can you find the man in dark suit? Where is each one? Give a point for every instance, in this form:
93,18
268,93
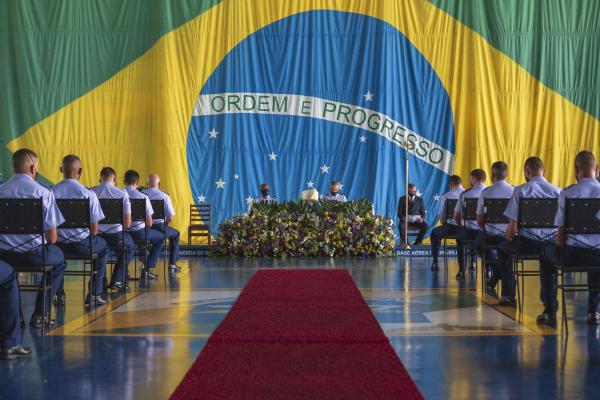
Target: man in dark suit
416,214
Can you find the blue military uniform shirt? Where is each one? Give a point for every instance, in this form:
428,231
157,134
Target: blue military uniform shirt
22,186
72,189
537,188
107,190
472,193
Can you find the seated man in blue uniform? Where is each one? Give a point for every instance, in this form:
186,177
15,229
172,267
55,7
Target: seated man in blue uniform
154,193
27,249
416,214
449,227
334,193
528,240
140,230
10,326
492,233
470,229
113,233
77,241
581,250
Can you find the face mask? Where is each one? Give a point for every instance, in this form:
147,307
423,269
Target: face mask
265,192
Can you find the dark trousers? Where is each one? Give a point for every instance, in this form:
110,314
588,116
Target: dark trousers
82,248
10,328
491,256
421,226
173,235
156,240
122,244
54,257
506,257
438,234
551,255
465,234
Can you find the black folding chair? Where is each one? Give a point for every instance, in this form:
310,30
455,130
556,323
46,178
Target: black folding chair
113,214
450,205
76,213
469,213
138,214
533,214
159,213
493,213
26,217
580,219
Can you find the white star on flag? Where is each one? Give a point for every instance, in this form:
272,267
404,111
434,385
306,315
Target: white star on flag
236,176
368,96
310,184
213,134
272,156
436,197
363,138
418,193
201,198
325,169
249,200
341,186
220,184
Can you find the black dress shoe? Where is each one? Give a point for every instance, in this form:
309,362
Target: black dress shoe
546,318
12,353
37,321
91,300
117,285
593,318
174,268
460,275
434,266
145,273
506,301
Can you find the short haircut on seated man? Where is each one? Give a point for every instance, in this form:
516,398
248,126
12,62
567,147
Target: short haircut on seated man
131,177
499,170
585,160
107,173
412,186
455,180
71,163
22,159
534,164
478,174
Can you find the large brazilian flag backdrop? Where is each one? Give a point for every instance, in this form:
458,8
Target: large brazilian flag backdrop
220,96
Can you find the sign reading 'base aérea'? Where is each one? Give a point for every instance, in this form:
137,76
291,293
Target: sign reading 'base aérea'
315,107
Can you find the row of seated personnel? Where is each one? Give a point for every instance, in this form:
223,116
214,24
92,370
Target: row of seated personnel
25,250
549,244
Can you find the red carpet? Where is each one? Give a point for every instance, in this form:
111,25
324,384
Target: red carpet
298,334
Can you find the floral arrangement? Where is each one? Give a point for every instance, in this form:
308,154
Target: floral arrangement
307,229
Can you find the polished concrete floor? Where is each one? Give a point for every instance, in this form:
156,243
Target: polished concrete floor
454,341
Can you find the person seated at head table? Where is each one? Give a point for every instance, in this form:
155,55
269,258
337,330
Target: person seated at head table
334,193
416,214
